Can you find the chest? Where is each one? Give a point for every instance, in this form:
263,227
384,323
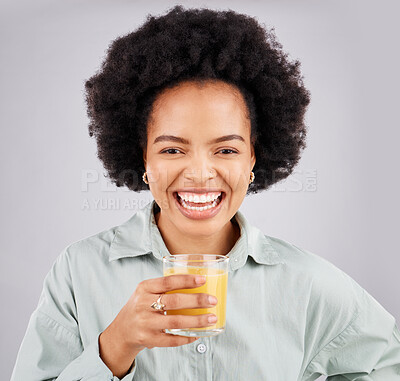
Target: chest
263,338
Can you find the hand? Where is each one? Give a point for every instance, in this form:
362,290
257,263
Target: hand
144,327
138,326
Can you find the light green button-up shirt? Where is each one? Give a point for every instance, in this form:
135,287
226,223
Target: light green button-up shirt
291,315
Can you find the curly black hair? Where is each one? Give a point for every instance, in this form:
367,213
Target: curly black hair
197,44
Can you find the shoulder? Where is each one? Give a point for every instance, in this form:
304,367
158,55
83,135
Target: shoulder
337,308
314,268
91,247
130,238
332,295
77,260
74,262
305,260
88,249
329,300
326,278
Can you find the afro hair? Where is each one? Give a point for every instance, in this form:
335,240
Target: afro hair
197,44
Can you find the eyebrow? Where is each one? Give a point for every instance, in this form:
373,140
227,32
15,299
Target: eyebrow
177,139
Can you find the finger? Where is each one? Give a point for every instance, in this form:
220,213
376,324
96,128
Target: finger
177,301
172,282
170,340
182,321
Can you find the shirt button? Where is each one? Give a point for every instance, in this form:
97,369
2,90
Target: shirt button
201,348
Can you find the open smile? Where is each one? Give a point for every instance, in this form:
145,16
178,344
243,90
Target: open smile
199,208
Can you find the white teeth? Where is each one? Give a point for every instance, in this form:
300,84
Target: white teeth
201,208
199,198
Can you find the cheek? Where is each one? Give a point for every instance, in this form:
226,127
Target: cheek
162,174
235,175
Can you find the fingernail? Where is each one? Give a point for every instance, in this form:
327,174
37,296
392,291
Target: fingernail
212,319
212,299
200,279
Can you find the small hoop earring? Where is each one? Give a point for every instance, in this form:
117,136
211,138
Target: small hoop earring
144,177
252,177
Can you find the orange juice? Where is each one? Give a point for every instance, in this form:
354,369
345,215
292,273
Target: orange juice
216,284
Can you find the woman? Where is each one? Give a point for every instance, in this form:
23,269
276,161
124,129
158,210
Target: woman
202,103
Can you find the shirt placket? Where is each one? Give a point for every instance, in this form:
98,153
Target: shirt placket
203,358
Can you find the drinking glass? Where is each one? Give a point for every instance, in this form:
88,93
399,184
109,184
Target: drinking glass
215,268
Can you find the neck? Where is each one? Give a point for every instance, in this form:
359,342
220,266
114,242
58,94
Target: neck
220,242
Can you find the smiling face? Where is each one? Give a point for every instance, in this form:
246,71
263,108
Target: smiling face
198,146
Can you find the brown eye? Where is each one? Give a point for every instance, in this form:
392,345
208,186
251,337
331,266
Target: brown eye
169,151
231,151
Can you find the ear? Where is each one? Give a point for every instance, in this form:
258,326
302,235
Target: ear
144,158
252,157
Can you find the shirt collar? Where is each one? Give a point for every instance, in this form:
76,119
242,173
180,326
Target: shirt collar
140,235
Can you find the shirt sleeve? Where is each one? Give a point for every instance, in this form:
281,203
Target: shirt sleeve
367,349
52,347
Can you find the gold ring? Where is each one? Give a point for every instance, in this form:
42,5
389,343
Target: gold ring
158,306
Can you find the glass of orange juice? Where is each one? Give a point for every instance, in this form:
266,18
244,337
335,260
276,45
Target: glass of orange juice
215,268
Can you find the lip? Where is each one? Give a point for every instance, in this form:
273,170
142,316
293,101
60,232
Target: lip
196,214
199,190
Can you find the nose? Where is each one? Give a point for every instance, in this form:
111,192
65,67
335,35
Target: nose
200,173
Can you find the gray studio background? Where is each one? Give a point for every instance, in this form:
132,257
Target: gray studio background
341,203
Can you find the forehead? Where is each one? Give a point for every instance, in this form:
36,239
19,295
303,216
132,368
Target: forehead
213,105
